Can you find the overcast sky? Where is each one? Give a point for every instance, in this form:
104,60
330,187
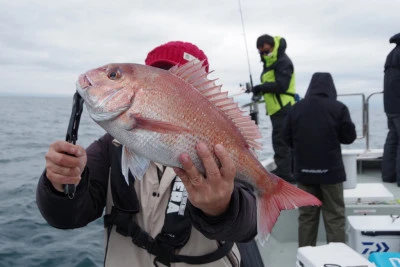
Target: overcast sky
45,45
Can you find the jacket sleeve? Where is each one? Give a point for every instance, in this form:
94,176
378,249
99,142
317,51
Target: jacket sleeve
287,133
89,200
238,223
283,75
347,133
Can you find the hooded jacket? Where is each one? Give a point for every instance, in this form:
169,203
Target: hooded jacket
315,128
391,83
103,187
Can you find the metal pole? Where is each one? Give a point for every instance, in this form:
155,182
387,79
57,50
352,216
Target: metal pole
364,114
367,117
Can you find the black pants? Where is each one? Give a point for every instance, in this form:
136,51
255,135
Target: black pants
391,151
282,152
333,213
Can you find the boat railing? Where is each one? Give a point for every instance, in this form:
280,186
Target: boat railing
365,113
366,108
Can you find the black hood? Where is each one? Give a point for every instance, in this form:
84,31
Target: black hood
282,46
395,39
322,84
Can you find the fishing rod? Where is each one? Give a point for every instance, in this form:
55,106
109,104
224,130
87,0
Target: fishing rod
72,134
249,85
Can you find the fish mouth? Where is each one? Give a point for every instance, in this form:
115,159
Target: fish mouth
84,82
97,103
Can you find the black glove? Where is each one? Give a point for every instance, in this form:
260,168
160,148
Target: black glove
258,89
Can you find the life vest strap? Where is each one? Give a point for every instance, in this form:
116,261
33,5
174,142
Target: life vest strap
164,252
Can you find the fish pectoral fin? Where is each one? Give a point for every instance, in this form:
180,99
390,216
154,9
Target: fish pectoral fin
130,161
156,125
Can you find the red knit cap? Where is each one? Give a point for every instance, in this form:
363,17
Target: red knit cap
169,54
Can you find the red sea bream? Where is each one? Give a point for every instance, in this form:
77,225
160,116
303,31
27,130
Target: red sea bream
158,114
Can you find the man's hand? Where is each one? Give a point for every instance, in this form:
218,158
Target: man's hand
211,194
257,90
65,163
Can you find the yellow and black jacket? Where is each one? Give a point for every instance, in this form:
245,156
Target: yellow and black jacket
278,79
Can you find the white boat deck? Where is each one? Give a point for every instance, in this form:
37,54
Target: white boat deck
281,248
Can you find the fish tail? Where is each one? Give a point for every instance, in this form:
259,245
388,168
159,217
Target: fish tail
285,197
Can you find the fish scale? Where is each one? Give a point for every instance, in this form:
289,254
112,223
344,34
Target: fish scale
158,115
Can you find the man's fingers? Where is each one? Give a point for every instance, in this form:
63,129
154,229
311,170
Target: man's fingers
211,195
228,168
185,179
66,154
211,167
191,171
64,171
62,159
66,148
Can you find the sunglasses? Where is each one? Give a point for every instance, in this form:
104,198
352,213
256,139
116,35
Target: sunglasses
264,53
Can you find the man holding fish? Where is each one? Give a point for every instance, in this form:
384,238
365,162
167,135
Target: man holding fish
176,170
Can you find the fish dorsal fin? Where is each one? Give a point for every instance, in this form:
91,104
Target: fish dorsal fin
195,74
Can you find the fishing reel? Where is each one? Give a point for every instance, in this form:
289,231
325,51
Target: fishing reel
254,101
249,89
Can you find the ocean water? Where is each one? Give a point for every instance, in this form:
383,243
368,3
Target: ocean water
27,126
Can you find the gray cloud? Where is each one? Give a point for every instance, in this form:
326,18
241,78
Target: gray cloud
45,45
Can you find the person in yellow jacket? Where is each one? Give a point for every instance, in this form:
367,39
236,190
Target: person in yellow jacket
278,88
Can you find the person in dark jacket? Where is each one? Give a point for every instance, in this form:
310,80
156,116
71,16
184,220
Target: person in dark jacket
278,88
315,128
154,220
391,104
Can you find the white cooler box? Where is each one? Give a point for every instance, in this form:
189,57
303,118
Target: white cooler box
374,233
349,158
332,253
366,193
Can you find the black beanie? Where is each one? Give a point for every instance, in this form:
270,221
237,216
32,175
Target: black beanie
265,39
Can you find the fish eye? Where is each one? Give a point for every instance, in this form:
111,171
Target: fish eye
113,75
